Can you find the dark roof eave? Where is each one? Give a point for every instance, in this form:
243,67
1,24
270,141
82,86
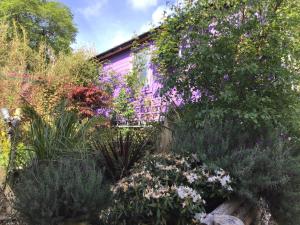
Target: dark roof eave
124,46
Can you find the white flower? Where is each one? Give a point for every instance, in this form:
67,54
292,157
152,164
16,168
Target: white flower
182,192
229,188
221,177
212,179
195,157
200,216
187,192
159,166
180,162
220,172
144,173
166,168
196,197
205,172
225,180
191,177
156,193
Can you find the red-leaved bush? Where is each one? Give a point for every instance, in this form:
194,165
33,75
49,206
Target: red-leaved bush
88,99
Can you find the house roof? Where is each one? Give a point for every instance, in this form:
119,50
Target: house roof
123,47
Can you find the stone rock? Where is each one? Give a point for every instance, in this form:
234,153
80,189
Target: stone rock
74,223
221,220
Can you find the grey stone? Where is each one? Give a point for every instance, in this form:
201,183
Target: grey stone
221,220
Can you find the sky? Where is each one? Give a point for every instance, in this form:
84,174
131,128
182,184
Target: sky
103,24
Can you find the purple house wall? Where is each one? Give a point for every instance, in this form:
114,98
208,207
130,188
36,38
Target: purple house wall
118,62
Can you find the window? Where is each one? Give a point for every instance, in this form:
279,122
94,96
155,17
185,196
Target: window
141,62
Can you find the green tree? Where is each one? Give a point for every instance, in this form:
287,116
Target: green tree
123,105
243,59
44,21
242,56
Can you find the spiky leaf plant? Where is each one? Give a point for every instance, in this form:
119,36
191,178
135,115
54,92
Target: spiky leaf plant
118,153
61,133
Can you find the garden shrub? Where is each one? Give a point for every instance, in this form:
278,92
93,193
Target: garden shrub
4,146
59,134
120,150
167,189
266,167
235,59
234,67
38,75
87,100
51,192
123,106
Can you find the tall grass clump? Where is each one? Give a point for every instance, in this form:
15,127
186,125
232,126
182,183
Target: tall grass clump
62,133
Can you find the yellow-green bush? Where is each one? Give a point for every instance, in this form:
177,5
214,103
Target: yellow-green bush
38,76
41,77
4,146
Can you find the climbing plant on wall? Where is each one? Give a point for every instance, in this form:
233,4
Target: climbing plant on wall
126,89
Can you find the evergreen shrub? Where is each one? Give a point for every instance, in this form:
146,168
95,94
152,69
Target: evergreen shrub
167,189
51,192
264,166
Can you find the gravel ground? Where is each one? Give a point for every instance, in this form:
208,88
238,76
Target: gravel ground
7,216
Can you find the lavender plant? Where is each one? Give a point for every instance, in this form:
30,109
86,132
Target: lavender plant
60,191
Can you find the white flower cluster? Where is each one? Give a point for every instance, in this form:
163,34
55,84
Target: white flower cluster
221,177
191,177
166,168
149,180
156,193
125,183
182,162
170,183
185,192
145,173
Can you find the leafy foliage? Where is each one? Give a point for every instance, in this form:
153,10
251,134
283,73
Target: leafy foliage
266,167
86,71
62,133
128,90
44,21
136,78
38,75
118,153
52,192
88,99
79,65
4,146
166,189
123,106
242,60
240,56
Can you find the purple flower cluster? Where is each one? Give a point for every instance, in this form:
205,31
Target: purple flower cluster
148,105
106,112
